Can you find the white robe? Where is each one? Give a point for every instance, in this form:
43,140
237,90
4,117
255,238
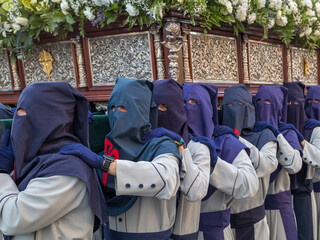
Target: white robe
291,162
54,207
194,186
265,162
233,181
156,183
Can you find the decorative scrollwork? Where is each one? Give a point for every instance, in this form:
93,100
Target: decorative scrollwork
302,58
63,64
265,62
126,55
5,82
214,58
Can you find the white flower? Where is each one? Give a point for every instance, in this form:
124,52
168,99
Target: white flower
56,1
97,3
22,21
297,18
282,21
306,3
223,2
4,28
293,6
302,34
235,2
261,3
88,13
251,18
310,13
241,13
64,7
16,27
180,1
308,31
156,12
229,7
244,3
275,4
270,23
317,33
287,10
318,8
279,14
132,11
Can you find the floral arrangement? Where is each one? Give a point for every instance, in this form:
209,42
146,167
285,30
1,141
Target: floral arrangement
21,21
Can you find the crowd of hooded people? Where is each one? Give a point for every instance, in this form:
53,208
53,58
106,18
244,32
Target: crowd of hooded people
169,170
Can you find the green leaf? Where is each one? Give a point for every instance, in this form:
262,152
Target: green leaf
111,19
69,19
27,4
7,5
58,17
3,1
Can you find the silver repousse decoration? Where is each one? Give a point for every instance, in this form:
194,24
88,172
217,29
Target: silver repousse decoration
265,62
174,42
120,56
5,78
185,49
80,62
289,64
299,57
63,67
214,58
245,64
155,31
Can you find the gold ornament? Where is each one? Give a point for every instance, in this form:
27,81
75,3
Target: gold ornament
46,60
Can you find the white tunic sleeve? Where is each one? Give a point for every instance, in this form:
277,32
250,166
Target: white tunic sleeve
311,151
197,163
288,157
238,179
264,161
44,201
158,178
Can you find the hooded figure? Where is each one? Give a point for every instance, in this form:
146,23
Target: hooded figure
172,115
312,102
195,162
232,175
301,183
271,106
60,189
312,135
144,187
248,215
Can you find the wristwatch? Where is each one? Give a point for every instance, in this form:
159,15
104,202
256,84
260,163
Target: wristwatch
107,160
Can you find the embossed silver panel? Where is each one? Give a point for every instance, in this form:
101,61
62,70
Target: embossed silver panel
265,63
126,55
63,66
5,78
298,55
214,58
